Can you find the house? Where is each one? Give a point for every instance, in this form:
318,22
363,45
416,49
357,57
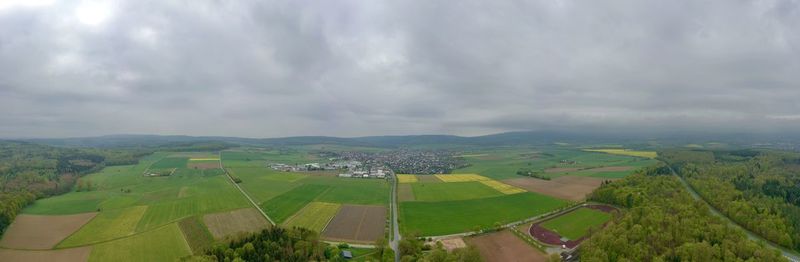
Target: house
345,175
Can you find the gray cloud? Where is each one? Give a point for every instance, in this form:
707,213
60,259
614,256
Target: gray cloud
351,68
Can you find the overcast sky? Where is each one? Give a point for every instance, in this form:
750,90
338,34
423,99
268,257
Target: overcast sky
352,68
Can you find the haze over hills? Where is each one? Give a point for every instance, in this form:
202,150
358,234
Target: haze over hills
499,139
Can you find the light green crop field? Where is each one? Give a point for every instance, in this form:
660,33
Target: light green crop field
505,162
137,212
576,224
170,162
449,217
266,174
107,225
282,207
452,191
314,216
163,244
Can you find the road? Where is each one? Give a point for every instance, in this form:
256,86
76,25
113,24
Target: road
395,241
242,191
789,254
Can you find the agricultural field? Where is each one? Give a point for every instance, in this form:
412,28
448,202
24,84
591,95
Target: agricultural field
314,216
505,246
449,217
311,199
625,152
552,161
123,214
357,223
452,191
573,188
232,223
405,178
42,232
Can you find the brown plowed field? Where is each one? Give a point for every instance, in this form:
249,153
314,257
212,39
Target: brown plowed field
357,223
231,223
504,246
572,188
203,165
61,255
42,232
405,193
428,179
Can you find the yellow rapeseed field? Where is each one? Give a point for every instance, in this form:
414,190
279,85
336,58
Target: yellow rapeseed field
502,187
625,152
462,177
404,178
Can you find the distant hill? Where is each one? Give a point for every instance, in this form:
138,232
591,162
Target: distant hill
500,139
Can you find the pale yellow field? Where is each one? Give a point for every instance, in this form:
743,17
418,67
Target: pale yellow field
625,152
403,178
203,159
502,187
314,216
462,177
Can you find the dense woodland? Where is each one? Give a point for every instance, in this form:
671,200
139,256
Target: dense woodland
30,171
664,223
759,190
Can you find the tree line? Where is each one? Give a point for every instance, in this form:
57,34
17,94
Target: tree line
758,189
662,222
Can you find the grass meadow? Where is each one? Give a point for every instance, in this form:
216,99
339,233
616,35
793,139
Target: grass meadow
576,224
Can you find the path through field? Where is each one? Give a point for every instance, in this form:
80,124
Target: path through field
395,227
242,191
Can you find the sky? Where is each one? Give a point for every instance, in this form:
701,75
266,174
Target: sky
357,68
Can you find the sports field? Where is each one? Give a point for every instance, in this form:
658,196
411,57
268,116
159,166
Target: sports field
576,224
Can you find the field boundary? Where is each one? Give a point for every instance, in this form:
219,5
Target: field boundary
230,178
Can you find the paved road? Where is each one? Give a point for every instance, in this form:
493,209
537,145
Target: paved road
395,241
241,190
789,254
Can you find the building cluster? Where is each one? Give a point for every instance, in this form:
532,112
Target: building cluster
408,161
369,173
334,165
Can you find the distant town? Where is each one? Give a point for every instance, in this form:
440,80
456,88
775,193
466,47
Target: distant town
380,164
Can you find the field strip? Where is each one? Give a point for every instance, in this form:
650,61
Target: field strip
242,191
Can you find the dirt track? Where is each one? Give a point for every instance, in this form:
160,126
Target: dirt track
357,223
572,188
504,246
42,232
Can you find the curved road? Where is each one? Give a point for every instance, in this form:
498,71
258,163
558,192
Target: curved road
787,253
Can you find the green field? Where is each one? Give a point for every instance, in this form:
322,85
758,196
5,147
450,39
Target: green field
452,191
170,162
163,244
282,207
576,224
314,216
448,217
196,234
503,163
107,225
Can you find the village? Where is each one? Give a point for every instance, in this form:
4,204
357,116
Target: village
350,168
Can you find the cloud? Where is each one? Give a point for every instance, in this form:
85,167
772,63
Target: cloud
351,68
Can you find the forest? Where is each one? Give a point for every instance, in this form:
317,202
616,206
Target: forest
664,223
758,189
